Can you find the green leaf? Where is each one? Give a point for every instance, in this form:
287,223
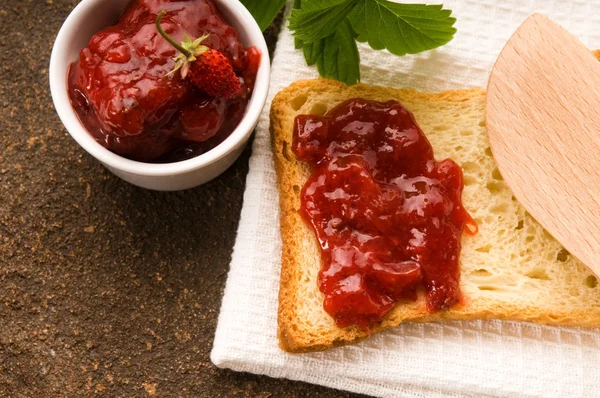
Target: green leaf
316,19
401,28
336,55
264,11
297,42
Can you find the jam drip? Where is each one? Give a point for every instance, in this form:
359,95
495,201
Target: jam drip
120,93
387,215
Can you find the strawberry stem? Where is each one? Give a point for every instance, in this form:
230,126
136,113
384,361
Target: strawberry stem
168,38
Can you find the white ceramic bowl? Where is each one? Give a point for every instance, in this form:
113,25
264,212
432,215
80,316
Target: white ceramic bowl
89,17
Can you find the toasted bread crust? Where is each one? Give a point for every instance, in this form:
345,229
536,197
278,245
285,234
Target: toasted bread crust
293,332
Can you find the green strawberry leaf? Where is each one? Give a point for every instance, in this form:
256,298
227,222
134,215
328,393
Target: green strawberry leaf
264,11
297,42
317,19
336,55
327,30
401,28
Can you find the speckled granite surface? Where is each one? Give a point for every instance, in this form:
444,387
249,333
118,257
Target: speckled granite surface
105,289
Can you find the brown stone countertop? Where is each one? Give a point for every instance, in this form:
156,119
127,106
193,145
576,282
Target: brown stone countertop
105,289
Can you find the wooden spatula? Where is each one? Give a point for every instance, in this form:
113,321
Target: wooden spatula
543,122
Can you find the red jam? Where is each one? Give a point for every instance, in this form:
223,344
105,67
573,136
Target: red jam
121,95
388,216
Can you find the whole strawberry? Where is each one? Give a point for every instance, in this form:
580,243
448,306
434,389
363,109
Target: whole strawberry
208,69
213,73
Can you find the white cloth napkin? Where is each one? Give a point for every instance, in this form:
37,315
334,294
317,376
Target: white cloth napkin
455,359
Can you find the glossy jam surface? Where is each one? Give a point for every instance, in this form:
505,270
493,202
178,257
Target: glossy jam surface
120,93
388,216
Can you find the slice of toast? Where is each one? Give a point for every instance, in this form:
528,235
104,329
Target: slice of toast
512,269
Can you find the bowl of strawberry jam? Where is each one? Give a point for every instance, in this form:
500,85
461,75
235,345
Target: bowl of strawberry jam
164,93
